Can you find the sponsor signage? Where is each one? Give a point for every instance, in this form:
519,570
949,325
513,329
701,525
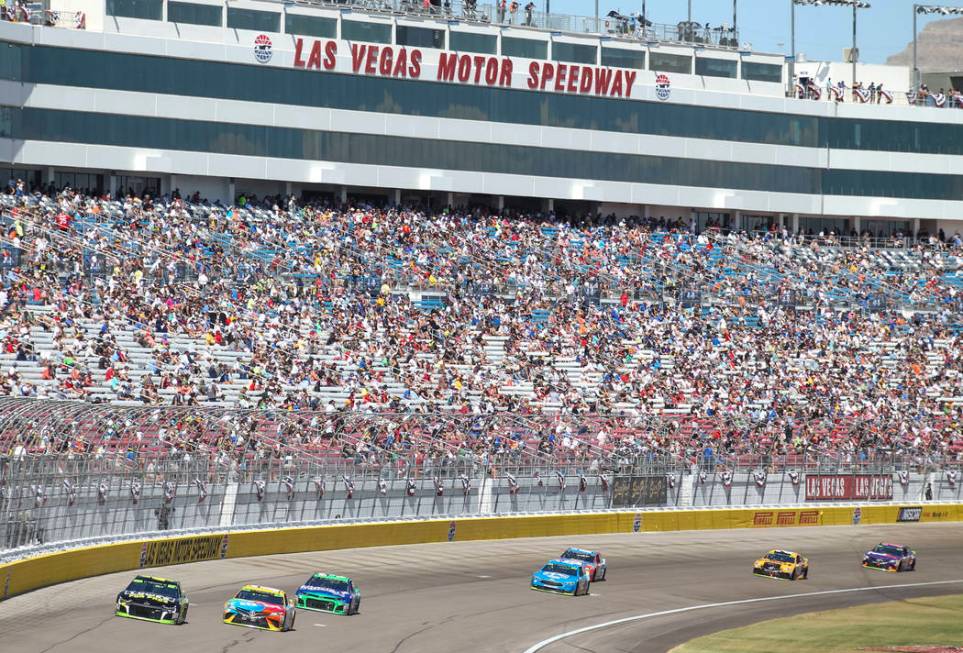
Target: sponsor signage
910,514
639,491
786,518
840,487
189,549
475,69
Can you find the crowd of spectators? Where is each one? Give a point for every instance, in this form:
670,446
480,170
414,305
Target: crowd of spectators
625,334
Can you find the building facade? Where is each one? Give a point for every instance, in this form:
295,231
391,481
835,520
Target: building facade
265,98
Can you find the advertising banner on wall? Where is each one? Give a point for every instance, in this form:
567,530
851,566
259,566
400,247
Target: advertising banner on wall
630,491
843,487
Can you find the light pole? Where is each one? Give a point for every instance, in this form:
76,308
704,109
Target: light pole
924,10
855,4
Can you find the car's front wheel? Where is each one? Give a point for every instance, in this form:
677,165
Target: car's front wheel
183,616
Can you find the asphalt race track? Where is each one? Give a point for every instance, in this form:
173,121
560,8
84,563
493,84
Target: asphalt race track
474,596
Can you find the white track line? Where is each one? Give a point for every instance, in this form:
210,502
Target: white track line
551,640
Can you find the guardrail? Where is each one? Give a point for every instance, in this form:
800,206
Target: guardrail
50,568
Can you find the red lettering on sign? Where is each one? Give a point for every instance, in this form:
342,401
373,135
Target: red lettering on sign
401,64
548,74
603,77
385,60
533,75
371,59
762,519
617,83
491,71
479,64
809,517
446,67
464,68
414,70
506,78
588,75
786,519
573,74
630,76
298,44
330,52
314,60
357,56
560,77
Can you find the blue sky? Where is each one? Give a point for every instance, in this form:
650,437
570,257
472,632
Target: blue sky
821,32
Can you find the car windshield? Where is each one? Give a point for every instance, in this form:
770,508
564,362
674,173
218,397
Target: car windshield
888,549
561,569
585,556
151,586
263,597
329,584
781,556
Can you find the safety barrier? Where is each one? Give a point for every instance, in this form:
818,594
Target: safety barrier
48,569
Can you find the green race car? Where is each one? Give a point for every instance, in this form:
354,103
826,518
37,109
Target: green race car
329,593
153,599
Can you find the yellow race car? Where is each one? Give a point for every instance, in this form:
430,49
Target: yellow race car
782,564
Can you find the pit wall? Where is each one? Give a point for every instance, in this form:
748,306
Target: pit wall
50,569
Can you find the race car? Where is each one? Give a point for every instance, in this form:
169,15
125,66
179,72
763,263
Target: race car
329,593
890,557
153,599
591,561
260,607
782,564
562,577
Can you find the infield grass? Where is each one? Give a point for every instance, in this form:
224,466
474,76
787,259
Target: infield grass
924,621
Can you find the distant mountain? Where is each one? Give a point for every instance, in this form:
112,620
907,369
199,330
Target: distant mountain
938,46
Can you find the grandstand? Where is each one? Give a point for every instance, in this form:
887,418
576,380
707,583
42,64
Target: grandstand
218,246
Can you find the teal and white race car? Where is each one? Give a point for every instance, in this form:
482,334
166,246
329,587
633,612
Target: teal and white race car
329,593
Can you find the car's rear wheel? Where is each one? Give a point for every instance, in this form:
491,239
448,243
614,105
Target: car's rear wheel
913,566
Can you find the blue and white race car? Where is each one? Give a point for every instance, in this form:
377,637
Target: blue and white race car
591,561
562,577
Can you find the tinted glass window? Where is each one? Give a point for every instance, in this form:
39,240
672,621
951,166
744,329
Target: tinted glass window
354,30
6,122
716,67
420,37
619,58
282,142
311,26
257,21
10,61
574,52
146,9
194,14
664,62
526,48
762,72
470,42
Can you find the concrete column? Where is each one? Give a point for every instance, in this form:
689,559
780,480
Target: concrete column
548,205
501,202
857,225
231,191
450,199
645,211
795,223
49,174
343,194
916,228
288,188
112,185
737,220
781,221
167,184
397,197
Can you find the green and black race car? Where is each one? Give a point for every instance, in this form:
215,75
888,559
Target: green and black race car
329,593
153,599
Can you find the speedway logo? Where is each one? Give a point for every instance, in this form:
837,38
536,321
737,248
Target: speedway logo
263,49
663,87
